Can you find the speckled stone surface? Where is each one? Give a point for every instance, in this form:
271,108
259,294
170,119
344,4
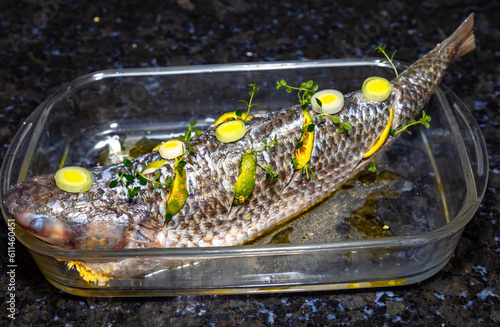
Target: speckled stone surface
45,44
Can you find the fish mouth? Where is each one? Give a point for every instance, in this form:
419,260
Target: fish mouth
49,230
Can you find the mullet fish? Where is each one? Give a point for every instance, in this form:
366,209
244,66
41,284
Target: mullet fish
105,217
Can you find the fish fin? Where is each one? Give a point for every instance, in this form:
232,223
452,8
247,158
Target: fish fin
462,39
296,174
233,210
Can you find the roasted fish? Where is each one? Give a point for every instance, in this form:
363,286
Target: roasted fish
107,217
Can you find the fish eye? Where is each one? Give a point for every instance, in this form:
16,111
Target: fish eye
38,225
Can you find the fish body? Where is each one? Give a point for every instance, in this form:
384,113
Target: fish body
107,217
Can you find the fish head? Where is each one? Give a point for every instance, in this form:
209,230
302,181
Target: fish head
63,219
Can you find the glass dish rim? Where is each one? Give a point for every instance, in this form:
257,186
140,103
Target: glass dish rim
465,214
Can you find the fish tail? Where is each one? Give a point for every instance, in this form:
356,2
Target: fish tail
462,41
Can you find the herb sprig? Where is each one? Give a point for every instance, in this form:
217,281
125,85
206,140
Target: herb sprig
271,146
186,138
249,104
424,121
307,129
306,91
307,169
372,167
343,126
128,178
381,49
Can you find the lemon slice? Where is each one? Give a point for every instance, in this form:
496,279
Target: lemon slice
73,179
228,116
246,180
172,149
231,131
178,194
151,167
332,101
381,139
302,155
376,88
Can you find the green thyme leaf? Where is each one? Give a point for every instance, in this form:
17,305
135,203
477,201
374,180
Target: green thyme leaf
142,180
129,177
127,163
372,167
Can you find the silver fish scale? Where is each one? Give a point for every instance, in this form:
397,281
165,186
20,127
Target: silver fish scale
205,219
335,158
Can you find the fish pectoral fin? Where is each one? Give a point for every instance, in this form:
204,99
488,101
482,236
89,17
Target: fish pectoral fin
295,175
362,162
232,211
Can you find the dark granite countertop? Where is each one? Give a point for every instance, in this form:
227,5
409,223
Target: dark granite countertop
46,44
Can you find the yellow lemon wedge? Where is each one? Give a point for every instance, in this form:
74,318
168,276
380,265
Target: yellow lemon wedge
158,146
151,167
246,180
172,149
178,194
228,116
73,179
332,101
302,155
382,138
376,88
231,131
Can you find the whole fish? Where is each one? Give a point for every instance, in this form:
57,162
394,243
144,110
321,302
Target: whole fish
105,217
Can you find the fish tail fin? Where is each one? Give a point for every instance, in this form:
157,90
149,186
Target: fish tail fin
462,40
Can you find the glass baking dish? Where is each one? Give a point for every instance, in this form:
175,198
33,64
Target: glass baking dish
397,226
